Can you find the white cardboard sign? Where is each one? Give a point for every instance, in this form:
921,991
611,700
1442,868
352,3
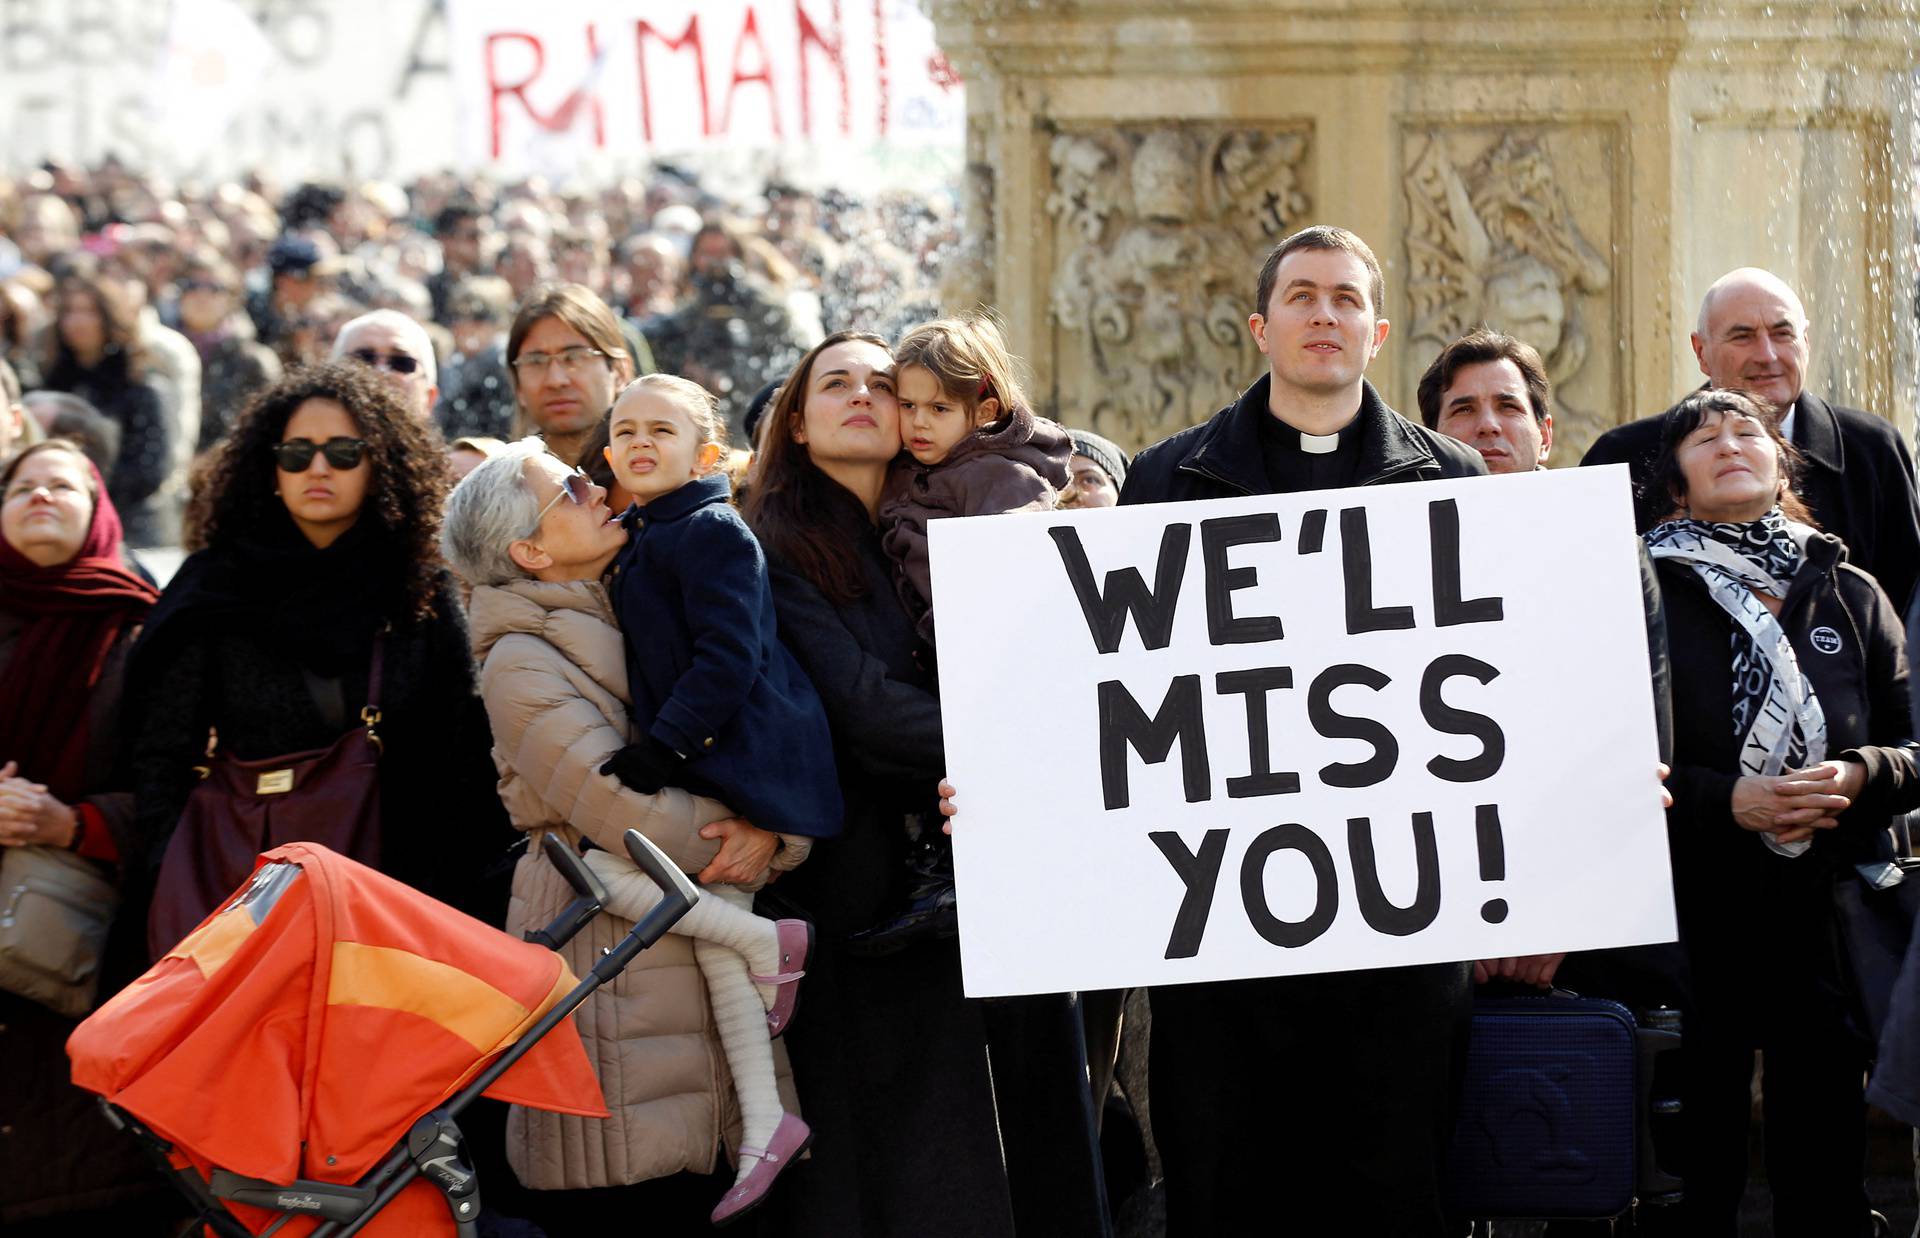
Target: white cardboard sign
1300,733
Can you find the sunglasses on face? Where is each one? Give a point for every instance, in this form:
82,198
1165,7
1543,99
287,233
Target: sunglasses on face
202,285
576,487
398,362
295,455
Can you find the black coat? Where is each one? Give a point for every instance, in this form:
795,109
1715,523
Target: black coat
1246,1147
1221,457
231,371
890,1059
146,448
1856,478
707,673
1732,892
442,823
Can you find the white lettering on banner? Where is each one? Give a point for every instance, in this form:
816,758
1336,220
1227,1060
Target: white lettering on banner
540,84
1300,733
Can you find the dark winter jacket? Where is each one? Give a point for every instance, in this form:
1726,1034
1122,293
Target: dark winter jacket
891,1059
146,449
57,1153
1221,457
232,368
1017,464
709,676
1734,893
1856,478
442,822
476,396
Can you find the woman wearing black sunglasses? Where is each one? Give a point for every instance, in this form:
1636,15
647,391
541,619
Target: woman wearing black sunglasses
321,530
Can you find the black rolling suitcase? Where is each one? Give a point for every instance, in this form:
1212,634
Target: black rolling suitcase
1555,1110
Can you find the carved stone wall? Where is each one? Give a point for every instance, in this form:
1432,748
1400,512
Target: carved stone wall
1576,172
1513,227
1157,233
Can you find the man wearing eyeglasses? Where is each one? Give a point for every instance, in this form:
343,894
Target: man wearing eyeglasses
398,347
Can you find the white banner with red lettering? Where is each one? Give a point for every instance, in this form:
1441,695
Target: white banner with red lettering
547,87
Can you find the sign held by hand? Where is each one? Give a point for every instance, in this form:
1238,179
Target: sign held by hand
1300,733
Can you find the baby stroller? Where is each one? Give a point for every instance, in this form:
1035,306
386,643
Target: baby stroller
298,1064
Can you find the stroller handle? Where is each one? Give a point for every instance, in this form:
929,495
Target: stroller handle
590,895
402,1165
655,864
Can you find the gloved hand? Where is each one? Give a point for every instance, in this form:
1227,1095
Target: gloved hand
646,766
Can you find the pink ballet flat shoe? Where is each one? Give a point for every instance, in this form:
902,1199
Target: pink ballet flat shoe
789,1140
796,943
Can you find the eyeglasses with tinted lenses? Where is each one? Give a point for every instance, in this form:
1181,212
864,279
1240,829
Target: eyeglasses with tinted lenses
572,360
295,455
398,362
576,487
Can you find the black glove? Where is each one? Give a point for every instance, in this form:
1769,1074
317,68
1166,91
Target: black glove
646,766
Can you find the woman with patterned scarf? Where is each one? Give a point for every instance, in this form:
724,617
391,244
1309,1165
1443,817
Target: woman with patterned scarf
1791,751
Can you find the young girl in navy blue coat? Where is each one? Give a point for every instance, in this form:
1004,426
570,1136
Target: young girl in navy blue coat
723,710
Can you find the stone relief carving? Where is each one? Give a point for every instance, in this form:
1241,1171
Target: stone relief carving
1491,239
1158,234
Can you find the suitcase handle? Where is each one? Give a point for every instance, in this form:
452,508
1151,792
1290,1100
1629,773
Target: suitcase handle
1657,1033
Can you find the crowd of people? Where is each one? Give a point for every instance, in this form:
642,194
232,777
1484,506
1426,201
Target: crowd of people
521,513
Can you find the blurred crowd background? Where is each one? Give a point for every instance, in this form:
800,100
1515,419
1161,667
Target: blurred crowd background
139,315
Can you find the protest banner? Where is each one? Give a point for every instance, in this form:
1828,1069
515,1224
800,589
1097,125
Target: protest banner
579,90
1300,733
571,80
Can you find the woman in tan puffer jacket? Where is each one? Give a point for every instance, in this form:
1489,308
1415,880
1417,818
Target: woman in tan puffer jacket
554,679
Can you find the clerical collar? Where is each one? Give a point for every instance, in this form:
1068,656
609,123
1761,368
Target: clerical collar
1291,440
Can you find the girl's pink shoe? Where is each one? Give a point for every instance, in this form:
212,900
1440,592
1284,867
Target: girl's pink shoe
789,1140
796,943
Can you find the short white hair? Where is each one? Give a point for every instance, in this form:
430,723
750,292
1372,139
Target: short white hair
490,510
406,328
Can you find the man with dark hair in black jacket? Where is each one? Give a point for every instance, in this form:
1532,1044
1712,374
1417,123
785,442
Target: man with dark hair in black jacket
1856,475
1306,1104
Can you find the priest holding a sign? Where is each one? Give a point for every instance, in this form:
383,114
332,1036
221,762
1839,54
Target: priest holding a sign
1307,1104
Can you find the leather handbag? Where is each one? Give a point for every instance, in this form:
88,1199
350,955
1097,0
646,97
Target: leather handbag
55,910
329,796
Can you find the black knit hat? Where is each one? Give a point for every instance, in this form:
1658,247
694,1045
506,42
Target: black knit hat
1103,452
756,409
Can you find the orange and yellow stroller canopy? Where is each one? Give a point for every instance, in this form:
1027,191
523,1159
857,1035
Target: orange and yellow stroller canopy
304,1026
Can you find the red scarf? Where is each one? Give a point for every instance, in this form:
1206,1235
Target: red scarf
74,612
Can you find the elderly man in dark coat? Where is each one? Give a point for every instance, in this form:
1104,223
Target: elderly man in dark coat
1858,475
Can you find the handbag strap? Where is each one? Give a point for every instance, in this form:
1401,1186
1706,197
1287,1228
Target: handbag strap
370,713
373,674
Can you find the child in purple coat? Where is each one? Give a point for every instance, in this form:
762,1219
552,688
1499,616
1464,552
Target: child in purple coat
973,448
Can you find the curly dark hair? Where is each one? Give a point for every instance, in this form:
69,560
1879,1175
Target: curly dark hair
406,493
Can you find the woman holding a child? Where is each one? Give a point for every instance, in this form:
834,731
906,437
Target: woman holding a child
891,1060
685,1059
